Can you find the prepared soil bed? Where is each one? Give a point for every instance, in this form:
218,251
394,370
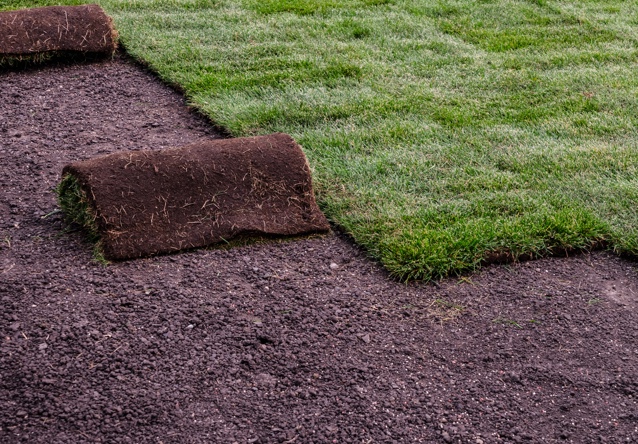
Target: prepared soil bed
300,341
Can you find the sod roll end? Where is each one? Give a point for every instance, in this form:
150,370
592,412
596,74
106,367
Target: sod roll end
142,203
56,29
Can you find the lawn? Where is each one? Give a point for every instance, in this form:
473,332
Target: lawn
439,132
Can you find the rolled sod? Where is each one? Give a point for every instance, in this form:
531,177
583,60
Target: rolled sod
142,203
56,29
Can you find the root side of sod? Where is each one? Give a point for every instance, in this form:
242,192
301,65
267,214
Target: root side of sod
37,35
142,203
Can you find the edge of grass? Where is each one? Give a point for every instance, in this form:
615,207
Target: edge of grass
451,139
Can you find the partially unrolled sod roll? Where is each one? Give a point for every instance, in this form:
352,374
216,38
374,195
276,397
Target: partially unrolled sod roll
142,203
54,29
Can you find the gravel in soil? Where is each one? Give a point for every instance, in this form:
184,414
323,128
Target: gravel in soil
305,341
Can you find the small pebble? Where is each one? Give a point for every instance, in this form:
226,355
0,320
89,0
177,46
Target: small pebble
365,338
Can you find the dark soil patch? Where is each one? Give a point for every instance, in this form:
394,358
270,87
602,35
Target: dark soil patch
304,341
53,29
146,202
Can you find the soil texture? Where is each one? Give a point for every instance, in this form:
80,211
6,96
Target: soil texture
149,202
305,341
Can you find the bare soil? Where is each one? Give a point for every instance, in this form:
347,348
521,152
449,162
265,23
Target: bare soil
302,341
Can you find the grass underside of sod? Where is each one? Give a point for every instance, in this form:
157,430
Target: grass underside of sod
12,62
76,208
438,131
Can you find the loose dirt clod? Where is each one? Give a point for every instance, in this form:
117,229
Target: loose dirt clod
142,203
29,33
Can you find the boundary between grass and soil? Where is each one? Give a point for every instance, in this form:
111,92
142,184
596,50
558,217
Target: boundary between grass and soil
435,146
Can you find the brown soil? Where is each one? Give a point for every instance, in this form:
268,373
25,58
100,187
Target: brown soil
56,28
149,202
305,341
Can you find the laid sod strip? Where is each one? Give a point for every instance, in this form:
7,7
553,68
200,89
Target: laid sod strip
38,33
440,132
143,203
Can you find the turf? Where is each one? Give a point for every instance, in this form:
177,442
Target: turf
438,131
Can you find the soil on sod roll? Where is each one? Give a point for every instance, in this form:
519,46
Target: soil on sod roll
148,202
28,32
302,342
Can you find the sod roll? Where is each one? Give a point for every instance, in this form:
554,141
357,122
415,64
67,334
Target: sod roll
54,29
143,203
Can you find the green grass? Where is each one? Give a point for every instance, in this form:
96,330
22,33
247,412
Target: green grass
437,130
77,209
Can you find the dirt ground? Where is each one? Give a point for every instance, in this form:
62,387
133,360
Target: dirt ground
303,341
